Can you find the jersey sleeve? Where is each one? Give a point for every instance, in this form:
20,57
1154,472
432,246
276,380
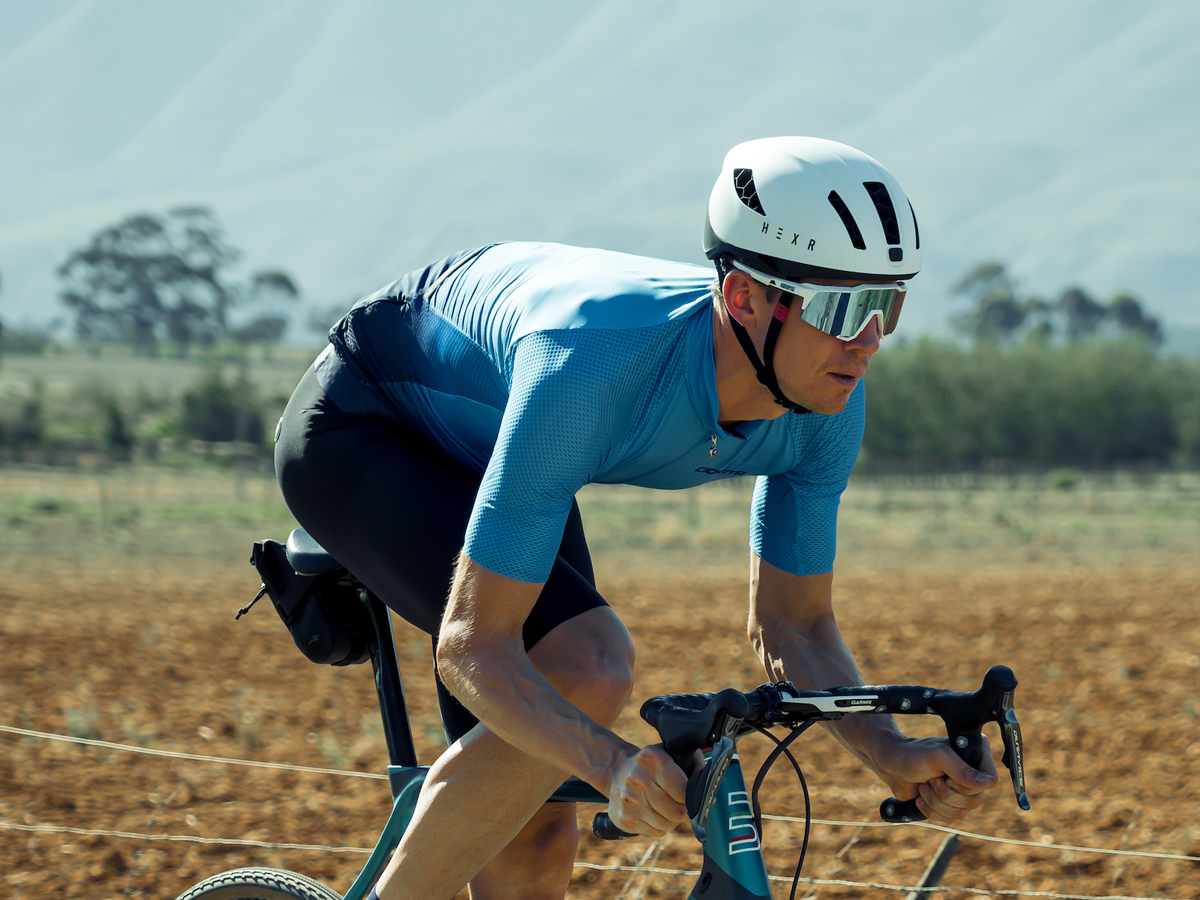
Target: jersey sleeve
555,434
793,517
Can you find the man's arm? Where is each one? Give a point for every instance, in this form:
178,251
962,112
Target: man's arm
481,657
794,631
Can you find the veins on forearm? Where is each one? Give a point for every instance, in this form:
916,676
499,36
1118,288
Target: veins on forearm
815,658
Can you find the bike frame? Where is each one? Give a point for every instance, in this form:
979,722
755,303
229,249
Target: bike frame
733,867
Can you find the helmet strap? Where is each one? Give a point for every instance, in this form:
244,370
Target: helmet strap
764,368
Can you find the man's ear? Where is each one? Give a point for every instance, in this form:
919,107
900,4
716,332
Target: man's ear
744,298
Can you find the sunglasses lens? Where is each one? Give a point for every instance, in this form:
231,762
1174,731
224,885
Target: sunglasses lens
844,314
893,314
826,311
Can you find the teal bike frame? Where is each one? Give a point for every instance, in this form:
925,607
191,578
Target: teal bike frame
733,866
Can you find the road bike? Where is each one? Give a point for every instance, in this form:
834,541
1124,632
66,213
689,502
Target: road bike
725,817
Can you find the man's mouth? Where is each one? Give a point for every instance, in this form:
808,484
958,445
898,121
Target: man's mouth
847,380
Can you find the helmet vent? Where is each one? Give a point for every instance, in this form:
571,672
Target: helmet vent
839,205
887,212
743,183
916,229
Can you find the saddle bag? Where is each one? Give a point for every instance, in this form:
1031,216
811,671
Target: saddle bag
323,613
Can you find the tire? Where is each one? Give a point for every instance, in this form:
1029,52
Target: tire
259,883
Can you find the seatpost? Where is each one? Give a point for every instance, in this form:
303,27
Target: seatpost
396,729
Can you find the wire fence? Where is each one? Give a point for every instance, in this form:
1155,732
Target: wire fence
1041,845
175,754
644,866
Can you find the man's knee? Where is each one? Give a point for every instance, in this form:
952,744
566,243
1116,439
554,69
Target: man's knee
551,832
590,660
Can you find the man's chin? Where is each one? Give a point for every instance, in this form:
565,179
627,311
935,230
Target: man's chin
826,406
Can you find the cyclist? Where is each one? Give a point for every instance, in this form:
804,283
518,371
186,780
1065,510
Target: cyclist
435,448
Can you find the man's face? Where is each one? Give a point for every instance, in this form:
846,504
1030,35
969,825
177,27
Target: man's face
818,370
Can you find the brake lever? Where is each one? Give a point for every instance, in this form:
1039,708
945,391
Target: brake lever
964,716
1014,756
703,784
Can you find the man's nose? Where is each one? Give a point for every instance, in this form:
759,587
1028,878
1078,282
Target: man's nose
868,339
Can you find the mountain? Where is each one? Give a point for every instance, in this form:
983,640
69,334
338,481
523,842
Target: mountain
350,142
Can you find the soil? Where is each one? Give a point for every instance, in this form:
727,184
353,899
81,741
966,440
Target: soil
1109,702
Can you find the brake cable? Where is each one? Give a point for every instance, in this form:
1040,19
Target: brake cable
781,747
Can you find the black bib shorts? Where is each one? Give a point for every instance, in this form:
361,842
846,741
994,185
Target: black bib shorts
393,509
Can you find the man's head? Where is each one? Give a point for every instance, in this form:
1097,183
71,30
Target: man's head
800,216
812,369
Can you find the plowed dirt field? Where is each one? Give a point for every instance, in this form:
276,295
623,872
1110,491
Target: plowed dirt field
117,599
1106,651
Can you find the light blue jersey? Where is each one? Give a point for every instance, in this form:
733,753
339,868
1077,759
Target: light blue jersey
545,368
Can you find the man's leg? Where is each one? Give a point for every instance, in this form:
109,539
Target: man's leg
537,863
471,819
394,510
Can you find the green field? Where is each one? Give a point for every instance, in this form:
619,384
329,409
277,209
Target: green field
63,373
144,517
61,407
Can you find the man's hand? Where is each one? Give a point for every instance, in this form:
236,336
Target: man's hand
646,795
945,787
795,634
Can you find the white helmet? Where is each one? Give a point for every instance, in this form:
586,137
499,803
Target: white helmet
806,209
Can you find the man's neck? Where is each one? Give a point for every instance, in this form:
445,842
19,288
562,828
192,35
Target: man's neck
741,397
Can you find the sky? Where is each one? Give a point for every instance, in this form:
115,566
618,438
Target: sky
351,142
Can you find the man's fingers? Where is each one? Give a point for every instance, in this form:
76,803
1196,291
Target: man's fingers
666,806
660,810
651,793
669,803
645,817
945,787
940,811
968,780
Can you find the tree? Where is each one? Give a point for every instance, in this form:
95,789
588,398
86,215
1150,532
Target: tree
998,313
216,410
263,330
1084,315
150,278
1000,316
1126,311
322,319
1086,318
267,286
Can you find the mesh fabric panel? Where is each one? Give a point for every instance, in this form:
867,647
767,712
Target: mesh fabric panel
575,396
793,519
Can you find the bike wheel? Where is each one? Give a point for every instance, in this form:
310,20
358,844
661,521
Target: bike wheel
259,883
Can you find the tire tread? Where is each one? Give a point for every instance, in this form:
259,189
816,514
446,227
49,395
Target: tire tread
259,883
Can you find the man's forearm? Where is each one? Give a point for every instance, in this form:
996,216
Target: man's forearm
481,658
518,703
817,659
793,628
794,632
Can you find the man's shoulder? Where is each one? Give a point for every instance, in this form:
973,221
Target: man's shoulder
571,260
538,287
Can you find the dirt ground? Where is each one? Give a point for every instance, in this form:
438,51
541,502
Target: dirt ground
1109,702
